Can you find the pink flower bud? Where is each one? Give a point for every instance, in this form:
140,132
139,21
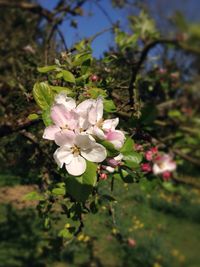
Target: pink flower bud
146,167
162,71
94,78
174,75
154,150
149,155
112,162
166,175
131,242
138,147
103,176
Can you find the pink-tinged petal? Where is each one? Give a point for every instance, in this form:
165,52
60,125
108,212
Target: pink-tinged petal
116,137
99,133
68,102
95,154
65,138
171,166
50,131
62,156
62,117
77,166
110,124
59,115
72,120
84,141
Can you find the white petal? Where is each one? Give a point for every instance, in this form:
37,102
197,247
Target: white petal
63,155
84,106
119,157
99,108
96,111
65,137
156,169
110,124
95,154
84,141
68,102
99,133
77,166
50,131
109,169
117,144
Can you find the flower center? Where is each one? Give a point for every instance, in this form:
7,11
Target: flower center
161,165
99,124
64,127
75,150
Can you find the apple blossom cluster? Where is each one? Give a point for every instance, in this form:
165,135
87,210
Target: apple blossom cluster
78,129
157,163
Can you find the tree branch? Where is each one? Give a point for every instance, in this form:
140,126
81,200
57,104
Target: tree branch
136,67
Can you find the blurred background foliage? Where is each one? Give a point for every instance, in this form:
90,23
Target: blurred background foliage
152,72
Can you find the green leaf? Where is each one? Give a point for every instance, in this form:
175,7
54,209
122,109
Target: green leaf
79,59
174,113
128,145
47,68
111,150
33,196
146,185
64,233
43,95
109,105
132,159
68,76
59,89
96,92
59,191
81,187
59,75
124,176
33,116
46,117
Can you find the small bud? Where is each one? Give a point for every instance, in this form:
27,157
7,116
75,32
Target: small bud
103,176
94,78
146,167
154,150
138,147
131,242
166,175
149,155
162,71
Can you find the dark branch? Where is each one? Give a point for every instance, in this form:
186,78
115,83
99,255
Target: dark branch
7,129
136,67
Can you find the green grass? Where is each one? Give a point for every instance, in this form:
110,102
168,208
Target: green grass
164,225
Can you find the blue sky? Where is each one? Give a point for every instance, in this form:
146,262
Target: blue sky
90,25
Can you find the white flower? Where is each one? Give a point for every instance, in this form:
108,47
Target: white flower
75,150
63,99
63,119
92,112
163,164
